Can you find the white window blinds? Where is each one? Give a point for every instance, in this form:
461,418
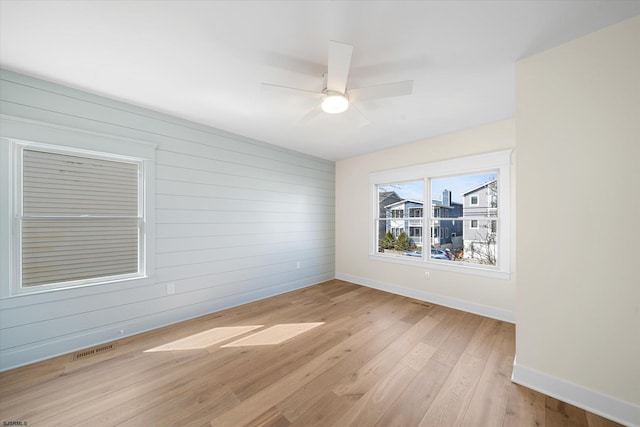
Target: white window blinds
81,218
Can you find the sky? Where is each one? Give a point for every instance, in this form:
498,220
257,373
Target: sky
457,185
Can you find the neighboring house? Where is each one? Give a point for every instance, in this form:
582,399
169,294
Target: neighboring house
407,216
385,198
447,232
480,205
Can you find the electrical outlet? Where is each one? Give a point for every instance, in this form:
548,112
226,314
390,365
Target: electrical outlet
297,264
427,275
171,288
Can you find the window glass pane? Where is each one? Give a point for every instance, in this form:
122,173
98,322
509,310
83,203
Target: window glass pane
473,199
65,250
66,185
400,220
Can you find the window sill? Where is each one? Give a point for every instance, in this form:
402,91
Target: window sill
442,265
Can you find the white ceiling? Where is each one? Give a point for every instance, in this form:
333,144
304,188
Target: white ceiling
205,60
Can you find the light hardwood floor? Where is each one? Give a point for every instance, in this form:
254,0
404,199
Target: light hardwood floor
377,360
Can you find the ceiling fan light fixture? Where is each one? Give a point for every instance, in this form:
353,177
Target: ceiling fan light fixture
334,103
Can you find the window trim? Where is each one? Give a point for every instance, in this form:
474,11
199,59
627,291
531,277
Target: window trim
499,161
19,133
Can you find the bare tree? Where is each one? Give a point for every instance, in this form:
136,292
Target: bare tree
483,248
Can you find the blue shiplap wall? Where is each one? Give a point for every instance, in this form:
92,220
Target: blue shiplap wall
236,220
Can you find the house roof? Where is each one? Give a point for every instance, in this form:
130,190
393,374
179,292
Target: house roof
403,201
386,194
478,187
438,203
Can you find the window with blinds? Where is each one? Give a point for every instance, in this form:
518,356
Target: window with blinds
81,218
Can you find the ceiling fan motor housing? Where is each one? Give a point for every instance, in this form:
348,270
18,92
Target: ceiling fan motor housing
334,102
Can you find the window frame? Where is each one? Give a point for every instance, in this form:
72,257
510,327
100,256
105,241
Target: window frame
498,162
19,134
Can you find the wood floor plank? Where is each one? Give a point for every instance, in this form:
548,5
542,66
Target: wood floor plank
205,403
254,375
155,388
260,402
561,414
418,357
525,408
304,399
270,418
489,401
378,359
450,405
170,411
456,342
371,407
324,411
354,367
594,420
359,382
414,401
483,339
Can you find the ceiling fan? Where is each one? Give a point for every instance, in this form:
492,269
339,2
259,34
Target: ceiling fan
335,97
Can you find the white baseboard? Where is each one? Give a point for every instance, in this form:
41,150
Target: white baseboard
617,410
471,307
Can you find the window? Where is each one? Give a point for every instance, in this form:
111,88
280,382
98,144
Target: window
475,233
81,217
395,232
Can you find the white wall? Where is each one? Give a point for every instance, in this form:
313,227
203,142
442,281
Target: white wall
234,216
578,186
483,295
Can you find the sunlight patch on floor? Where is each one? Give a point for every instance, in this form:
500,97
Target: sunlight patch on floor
275,334
205,339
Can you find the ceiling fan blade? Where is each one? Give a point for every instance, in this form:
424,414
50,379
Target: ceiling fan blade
312,114
292,90
338,66
381,91
359,118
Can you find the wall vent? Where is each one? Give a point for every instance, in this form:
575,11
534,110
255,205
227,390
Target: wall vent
83,354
